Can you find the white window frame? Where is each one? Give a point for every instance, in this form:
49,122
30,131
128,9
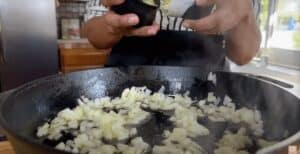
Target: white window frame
278,56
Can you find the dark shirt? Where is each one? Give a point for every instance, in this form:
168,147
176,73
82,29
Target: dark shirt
173,48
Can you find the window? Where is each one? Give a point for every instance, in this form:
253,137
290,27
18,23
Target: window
280,27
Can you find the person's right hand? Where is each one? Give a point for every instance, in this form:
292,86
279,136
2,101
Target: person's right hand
122,25
105,31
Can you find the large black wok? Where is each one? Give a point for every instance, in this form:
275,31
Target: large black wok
25,108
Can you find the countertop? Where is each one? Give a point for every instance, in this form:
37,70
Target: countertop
80,43
289,75
283,74
6,148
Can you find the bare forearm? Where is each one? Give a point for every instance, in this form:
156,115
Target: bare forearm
244,41
99,33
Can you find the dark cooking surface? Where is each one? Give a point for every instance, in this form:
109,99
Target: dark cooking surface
22,112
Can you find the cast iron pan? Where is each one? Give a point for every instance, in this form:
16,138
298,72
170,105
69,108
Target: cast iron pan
30,105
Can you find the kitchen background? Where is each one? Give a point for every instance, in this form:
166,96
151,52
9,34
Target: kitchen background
279,22
75,51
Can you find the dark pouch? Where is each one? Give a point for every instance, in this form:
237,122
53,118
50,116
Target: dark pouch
145,12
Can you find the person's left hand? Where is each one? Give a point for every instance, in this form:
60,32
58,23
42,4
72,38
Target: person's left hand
228,14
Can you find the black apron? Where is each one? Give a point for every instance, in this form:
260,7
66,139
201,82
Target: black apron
172,48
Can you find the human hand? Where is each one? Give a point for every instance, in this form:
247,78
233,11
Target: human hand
122,25
236,19
228,15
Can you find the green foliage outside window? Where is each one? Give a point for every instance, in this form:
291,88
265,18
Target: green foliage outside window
264,12
296,38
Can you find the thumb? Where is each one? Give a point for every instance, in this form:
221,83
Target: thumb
203,24
204,2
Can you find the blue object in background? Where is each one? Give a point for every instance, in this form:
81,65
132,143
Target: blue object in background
291,24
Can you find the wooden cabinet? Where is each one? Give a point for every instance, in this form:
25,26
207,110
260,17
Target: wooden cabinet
6,148
80,57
